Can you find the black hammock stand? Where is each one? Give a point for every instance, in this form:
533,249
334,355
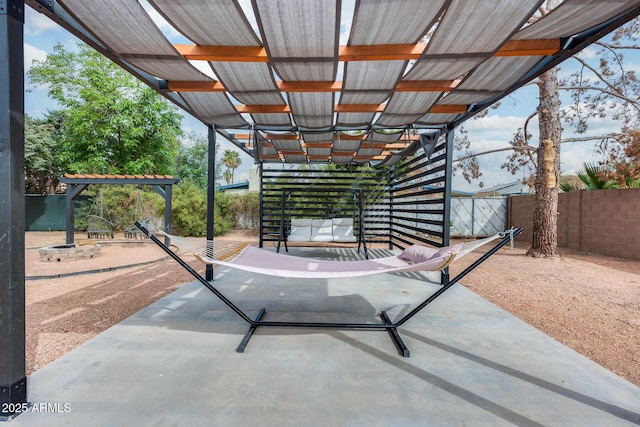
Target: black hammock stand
388,325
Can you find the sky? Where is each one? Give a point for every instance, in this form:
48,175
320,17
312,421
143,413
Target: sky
488,133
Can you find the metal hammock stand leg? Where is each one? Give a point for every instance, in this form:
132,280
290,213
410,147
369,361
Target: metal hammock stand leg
388,325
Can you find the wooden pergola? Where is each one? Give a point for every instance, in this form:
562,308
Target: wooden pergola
283,76
76,184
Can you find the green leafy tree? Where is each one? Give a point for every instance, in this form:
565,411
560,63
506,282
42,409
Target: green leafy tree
192,161
41,167
231,159
110,122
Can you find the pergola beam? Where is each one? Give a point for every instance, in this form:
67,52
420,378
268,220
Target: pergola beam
384,52
223,53
529,47
314,86
344,108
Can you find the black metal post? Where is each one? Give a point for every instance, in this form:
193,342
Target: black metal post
391,190
261,202
73,190
211,189
281,230
13,381
361,220
446,217
168,194
70,212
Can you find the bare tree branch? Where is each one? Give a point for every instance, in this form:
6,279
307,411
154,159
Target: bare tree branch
526,135
598,74
529,149
631,101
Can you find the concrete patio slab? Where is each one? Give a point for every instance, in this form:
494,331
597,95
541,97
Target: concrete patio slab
471,364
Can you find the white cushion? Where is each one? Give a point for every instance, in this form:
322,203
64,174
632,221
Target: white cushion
300,230
342,221
300,222
321,230
344,234
343,230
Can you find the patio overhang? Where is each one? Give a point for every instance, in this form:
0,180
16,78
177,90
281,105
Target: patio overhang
314,70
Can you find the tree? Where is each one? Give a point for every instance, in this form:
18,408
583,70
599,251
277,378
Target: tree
597,88
192,160
41,167
110,122
231,159
228,176
545,219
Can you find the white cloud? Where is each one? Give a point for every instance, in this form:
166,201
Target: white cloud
205,68
247,8
32,53
36,23
167,29
588,53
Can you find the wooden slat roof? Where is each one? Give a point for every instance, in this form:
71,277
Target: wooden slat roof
280,66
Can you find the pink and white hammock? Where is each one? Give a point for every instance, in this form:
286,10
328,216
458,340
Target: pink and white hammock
414,258
261,261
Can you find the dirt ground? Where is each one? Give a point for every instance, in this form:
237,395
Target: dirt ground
591,303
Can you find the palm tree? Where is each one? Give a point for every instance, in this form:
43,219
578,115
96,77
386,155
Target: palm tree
228,176
591,177
231,159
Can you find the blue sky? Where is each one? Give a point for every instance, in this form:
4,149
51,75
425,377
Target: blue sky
491,132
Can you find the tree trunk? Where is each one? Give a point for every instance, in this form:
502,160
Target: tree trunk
545,214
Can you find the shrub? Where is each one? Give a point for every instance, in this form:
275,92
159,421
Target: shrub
224,213
189,211
122,205
247,210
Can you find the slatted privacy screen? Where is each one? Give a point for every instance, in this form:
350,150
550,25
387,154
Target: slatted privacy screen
323,192
418,209
401,204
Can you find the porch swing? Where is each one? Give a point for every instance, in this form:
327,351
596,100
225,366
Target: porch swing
133,232
99,223
334,227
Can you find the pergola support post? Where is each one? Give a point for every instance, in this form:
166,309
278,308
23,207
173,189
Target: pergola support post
166,194
13,381
211,182
261,203
72,192
446,218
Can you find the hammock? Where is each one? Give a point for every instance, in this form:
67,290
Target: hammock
261,261
414,258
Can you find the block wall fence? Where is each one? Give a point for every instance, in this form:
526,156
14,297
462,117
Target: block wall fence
605,222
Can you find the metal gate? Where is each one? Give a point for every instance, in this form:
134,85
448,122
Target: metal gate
478,217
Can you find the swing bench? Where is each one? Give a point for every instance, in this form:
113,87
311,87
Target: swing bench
260,261
336,228
99,225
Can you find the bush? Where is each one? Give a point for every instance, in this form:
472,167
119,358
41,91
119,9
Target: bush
225,216
189,211
247,210
121,205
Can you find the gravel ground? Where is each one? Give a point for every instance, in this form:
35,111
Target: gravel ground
591,303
